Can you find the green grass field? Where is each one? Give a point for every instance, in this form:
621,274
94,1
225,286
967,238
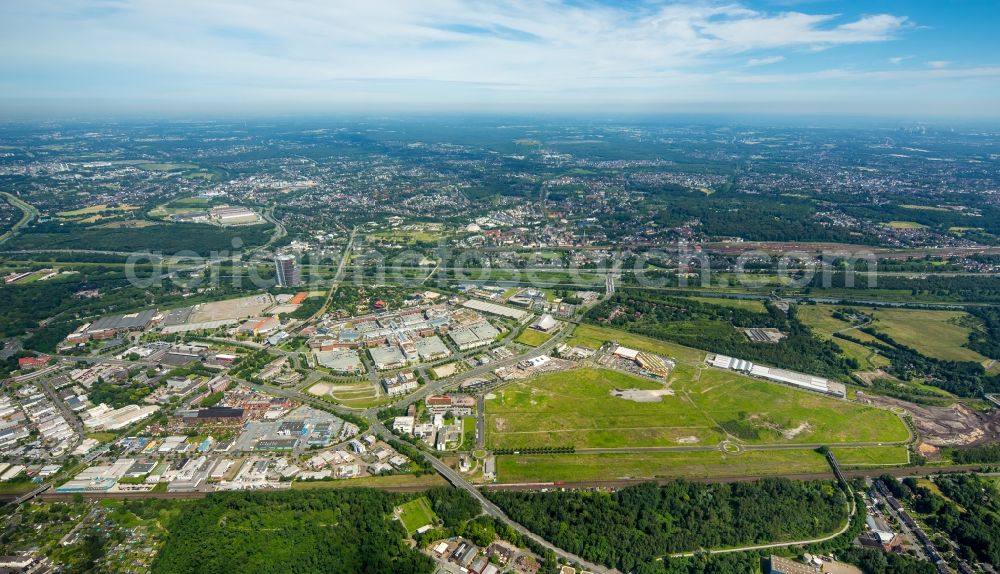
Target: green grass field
923,207
707,464
392,481
102,437
94,209
166,166
575,408
905,225
746,304
417,514
593,337
937,334
866,456
533,338
820,319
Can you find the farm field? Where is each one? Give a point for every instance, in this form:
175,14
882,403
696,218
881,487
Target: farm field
576,408
416,514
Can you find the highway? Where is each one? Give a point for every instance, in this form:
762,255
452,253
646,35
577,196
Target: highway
28,214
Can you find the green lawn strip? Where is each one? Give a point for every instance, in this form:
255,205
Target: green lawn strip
871,456
698,464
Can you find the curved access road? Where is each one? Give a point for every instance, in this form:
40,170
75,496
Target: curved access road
843,529
489,508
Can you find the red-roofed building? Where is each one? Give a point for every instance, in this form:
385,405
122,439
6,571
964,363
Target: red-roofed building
33,362
460,405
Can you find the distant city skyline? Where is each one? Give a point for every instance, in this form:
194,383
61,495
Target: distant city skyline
65,58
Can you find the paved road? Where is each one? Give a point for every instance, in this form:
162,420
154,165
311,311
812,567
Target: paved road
488,507
67,414
28,214
481,421
482,370
337,278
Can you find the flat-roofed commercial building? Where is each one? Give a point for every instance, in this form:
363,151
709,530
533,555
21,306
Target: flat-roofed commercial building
494,309
387,357
432,348
340,360
474,336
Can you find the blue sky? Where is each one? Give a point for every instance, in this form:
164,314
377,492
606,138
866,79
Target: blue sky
917,58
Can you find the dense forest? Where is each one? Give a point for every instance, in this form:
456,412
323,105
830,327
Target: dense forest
349,531
118,396
987,453
637,525
879,562
753,218
714,328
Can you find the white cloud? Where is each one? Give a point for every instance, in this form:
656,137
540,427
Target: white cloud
510,41
938,64
897,60
432,52
765,61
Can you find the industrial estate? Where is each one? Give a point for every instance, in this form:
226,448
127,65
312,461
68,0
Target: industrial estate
456,342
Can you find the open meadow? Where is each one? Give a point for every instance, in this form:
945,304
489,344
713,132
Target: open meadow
703,408
938,334
576,408
416,514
